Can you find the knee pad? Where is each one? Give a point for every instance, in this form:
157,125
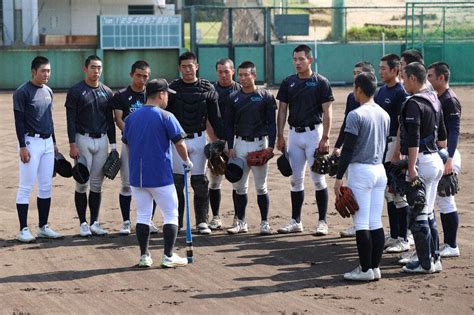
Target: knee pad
199,184
297,184
178,181
23,194
126,191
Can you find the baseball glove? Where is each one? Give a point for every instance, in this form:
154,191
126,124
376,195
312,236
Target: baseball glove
346,203
111,165
448,185
416,193
396,175
217,163
258,158
325,164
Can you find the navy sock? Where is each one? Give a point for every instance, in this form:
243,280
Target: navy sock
322,203
143,236
403,222
364,248
215,200
43,210
378,240
393,219
240,205
297,198
22,209
80,200
170,232
94,205
263,204
125,202
450,223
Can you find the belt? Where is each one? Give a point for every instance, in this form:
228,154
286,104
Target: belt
303,129
95,135
193,135
38,135
250,139
427,152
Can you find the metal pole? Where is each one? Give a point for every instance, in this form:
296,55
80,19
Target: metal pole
406,25
422,38
444,33
192,28
230,39
412,24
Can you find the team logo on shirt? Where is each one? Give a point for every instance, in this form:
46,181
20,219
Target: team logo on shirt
101,93
84,93
136,106
256,98
388,101
409,118
130,98
292,84
236,100
310,83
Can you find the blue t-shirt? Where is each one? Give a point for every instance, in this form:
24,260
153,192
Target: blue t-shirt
148,133
391,99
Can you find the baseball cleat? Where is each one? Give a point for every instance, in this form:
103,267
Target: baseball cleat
292,227
235,221
85,230
97,229
145,261
203,228
46,232
265,228
321,229
241,227
153,228
438,267
216,223
389,241
448,251
25,236
416,267
358,275
349,232
125,228
411,240
399,246
173,261
377,273
406,257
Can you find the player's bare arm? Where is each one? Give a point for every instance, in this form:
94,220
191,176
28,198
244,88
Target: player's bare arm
327,121
118,117
281,121
210,132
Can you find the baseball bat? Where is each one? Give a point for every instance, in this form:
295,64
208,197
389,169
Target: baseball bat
189,236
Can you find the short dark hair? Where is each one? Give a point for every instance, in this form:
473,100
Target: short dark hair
223,61
412,55
38,61
441,68
366,66
418,70
307,50
248,65
367,82
140,64
90,58
393,61
187,56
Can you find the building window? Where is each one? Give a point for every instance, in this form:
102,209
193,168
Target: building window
141,10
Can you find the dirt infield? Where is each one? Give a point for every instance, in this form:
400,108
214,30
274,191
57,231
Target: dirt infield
245,273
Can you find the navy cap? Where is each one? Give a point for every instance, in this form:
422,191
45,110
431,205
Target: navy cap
158,85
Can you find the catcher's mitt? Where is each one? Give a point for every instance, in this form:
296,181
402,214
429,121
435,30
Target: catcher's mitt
111,165
325,164
396,176
346,203
416,193
448,185
258,158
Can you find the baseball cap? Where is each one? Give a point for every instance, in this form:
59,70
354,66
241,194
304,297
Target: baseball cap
158,85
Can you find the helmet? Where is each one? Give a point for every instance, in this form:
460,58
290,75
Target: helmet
284,165
80,173
62,166
234,169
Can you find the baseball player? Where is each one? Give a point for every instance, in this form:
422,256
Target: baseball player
125,102
391,97
367,128
148,135
224,86
195,102
422,130
90,123
250,126
308,98
32,106
438,76
351,103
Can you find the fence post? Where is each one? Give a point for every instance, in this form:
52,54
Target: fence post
192,28
267,42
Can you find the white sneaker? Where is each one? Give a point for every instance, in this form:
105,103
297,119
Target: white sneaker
240,228
235,221
25,235
377,273
203,228
216,223
173,261
358,275
145,261
406,257
411,240
400,246
321,228
292,227
46,232
349,232
125,228
265,228
415,267
85,230
438,267
97,229
448,251
153,228
389,242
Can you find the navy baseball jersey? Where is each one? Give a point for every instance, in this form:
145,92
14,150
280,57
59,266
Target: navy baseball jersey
88,111
422,123
452,118
251,115
128,101
305,98
224,93
351,104
148,134
32,106
391,99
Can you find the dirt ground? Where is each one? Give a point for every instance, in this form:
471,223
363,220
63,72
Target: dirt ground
246,273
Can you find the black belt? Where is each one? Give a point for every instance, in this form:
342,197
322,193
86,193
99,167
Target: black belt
427,152
193,135
38,135
250,139
94,135
303,129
